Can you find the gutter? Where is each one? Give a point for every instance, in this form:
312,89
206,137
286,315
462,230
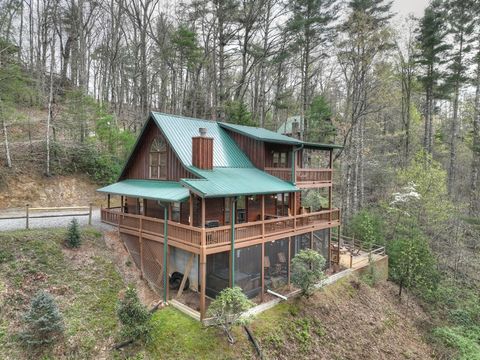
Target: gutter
294,159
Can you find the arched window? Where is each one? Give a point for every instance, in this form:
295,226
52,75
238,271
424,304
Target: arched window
158,159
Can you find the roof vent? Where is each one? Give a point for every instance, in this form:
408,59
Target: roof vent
203,132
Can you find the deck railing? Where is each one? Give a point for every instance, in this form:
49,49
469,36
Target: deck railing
221,235
302,176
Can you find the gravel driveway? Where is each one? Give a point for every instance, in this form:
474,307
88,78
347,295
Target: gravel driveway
50,222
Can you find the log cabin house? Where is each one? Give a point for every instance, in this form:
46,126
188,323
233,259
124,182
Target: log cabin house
221,205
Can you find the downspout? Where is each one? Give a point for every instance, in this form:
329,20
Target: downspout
294,160
165,248
232,242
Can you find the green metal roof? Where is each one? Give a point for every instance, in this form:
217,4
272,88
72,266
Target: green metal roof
235,182
148,189
286,127
275,137
179,131
261,134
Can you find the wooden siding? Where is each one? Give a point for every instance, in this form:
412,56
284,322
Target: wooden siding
254,149
138,164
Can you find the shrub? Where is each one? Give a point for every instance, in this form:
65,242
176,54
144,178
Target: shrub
133,315
43,321
227,309
307,270
368,227
371,275
73,234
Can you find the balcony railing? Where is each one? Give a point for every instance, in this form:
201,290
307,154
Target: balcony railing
192,236
303,176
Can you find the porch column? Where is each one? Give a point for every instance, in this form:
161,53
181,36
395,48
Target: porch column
232,242
203,260
330,188
165,252
263,272
121,203
203,281
262,214
190,216
289,258
108,201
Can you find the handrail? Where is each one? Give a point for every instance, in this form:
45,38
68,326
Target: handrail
221,235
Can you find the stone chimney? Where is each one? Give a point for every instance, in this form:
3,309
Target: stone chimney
202,150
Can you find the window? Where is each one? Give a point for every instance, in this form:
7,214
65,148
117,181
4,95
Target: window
280,159
158,159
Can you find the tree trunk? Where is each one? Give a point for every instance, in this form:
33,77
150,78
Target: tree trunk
50,104
475,176
7,146
454,128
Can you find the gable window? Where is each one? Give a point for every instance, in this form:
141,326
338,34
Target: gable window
158,159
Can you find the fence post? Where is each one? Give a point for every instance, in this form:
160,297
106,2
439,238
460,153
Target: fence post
90,214
26,217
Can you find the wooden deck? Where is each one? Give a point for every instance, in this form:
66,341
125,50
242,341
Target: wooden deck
218,239
304,178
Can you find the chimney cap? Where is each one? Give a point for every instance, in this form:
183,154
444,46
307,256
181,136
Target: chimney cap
202,131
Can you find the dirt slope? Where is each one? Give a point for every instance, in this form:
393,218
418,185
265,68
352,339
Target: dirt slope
38,190
348,320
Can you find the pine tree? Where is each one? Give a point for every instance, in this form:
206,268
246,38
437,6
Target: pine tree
311,29
73,235
432,48
43,321
133,315
461,26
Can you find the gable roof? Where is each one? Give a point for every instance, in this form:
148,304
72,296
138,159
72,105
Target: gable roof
179,131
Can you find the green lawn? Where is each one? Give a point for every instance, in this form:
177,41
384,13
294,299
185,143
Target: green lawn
85,284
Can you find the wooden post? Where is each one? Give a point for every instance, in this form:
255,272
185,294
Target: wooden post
190,216
203,212
108,201
90,208
203,281
188,268
263,271
121,204
27,225
140,240
294,211
263,219
165,253
289,258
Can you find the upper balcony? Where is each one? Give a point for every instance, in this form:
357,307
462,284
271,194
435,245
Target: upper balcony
304,178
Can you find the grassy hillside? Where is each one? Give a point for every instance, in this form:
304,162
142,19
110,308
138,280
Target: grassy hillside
348,320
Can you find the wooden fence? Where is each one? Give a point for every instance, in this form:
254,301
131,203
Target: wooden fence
358,251
30,213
